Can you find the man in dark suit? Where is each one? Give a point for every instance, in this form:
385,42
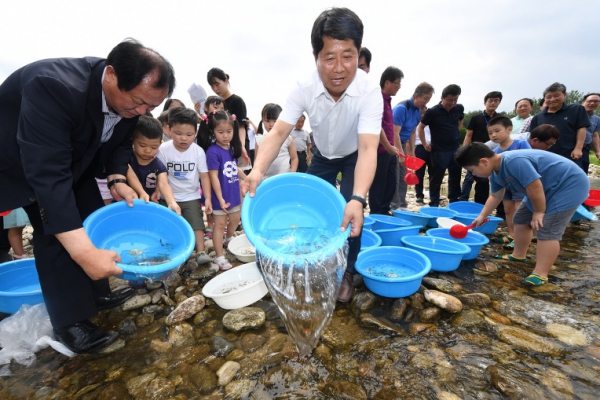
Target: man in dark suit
63,122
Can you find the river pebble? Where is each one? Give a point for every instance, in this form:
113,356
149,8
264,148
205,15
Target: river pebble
239,389
364,301
398,308
429,314
444,301
441,284
528,341
344,390
136,302
370,321
512,385
244,318
186,309
568,334
227,372
181,334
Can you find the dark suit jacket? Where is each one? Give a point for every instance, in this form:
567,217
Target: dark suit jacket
50,128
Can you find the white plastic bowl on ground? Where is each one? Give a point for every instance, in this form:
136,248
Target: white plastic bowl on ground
444,222
236,288
242,249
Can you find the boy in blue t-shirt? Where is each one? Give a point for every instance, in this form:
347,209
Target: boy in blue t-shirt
146,172
554,187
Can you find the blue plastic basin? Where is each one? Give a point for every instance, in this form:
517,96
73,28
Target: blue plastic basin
474,240
392,271
290,213
435,212
487,229
19,284
466,207
368,223
369,239
151,239
387,222
415,218
444,254
391,237
581,213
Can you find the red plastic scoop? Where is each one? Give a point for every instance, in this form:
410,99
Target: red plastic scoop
412,162
459,231
4,213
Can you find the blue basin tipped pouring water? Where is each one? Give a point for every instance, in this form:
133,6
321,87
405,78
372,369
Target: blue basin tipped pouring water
391,237
435,212
392,271
474,240
369,239
151,239
444,254
387,222
19,284
415,218
465,207
487,229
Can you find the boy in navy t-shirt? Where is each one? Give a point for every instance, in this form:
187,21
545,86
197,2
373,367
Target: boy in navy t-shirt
554,187
146,172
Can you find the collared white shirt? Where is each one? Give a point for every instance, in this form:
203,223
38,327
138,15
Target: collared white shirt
336,125
110,119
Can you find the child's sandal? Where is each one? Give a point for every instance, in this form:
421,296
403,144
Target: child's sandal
505,239
534,280
509,257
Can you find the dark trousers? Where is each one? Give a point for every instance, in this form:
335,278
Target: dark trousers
328,170
4,243
585,158
384,184
442,161
68,292
482,188
424,155
302,165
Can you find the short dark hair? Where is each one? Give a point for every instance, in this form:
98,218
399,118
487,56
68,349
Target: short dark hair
555,87
588,95
133,62
182,115
163,118
390,74
217,73
500,120
493,95
148,127
216,100
524,98
451,90
544,132
541,101
366,53
337,23
469,155
171,101
423,89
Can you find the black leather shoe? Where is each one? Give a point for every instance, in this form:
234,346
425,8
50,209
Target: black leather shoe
346,289
84,337
115,298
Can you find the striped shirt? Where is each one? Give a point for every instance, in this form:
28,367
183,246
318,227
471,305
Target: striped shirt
110,119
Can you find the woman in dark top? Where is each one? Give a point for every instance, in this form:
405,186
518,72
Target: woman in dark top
234,104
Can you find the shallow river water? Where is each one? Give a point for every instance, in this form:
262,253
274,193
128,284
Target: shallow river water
508,342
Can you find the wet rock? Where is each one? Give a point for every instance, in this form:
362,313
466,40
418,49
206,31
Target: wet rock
417,301
227,372
503,353
468,319
441,284
173,279
410,315
322,352
498,318
343,332
447,396
160,346
513,386
236,355
153,285
557,383
390,394
429,314
156,295
476,299
344,390
444,301
421,361
220,346
167,300
239,389
114,346
593,351
179,297
202,378
181,334
370,321
527,341
364,301
251,342
144,319
153,309
244,318
398,309
185,310
114,390
568,334
137,385
487,266
201,317
203,271
416,327
136,302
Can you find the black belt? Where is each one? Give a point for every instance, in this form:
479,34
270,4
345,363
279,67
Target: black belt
301,152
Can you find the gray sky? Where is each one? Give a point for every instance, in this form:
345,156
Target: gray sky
516,47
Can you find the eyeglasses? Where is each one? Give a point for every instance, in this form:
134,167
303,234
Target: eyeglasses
550,144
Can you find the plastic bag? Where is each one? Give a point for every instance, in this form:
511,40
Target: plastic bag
24,333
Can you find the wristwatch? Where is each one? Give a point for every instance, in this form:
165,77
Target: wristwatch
359,198
115,181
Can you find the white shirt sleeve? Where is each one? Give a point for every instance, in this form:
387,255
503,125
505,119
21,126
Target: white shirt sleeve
294,107
202,167
371,113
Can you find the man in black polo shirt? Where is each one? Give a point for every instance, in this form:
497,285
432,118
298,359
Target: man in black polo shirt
571,120
444,121
477,132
